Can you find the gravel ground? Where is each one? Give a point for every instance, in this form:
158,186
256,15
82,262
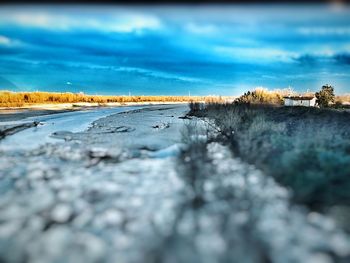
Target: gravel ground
101,195
116,193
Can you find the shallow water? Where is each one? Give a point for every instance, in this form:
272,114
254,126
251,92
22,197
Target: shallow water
75,121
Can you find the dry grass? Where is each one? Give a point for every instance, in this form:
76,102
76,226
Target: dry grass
275,97
343,99
306,149
19,99
263,96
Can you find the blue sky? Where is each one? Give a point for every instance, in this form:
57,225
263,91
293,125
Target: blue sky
164,50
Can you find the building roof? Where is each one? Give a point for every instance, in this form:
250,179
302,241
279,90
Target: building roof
299,97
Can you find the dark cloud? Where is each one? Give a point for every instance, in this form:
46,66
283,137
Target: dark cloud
325,60
343,58
307,59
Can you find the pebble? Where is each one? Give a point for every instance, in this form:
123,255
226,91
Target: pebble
61,213
319,258
112,217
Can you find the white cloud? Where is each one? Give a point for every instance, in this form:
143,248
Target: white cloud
134,23
324,31
325,52
256,54
138,70
157,74
118,22
4,40
34,20
201,29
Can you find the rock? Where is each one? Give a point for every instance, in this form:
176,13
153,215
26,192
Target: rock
122,129
10,228
39,200
50,246
66,135
185,117
61,213
86,248
36,174
112,217
319,258
6,130
161,126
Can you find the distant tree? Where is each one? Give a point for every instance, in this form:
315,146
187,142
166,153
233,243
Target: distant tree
325,96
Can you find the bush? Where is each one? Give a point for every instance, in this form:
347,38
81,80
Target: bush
261,96
325,96
195,107
306,149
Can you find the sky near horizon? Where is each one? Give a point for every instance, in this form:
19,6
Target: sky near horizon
174,50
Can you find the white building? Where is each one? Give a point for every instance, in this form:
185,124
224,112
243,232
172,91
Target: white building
307,101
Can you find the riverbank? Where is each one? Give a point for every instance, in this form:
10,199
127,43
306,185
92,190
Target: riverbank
10,129
92,196
16,119
25,99
32,110
312,146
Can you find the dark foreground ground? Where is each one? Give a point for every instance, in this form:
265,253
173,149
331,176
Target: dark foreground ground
154,185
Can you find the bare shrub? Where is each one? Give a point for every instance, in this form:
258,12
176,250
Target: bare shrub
306,149
195,107
194,163
261,96
198,168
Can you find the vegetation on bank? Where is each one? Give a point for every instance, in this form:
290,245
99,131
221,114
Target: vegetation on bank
343,99
324,98
306,149
210,195
259,96
19,99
